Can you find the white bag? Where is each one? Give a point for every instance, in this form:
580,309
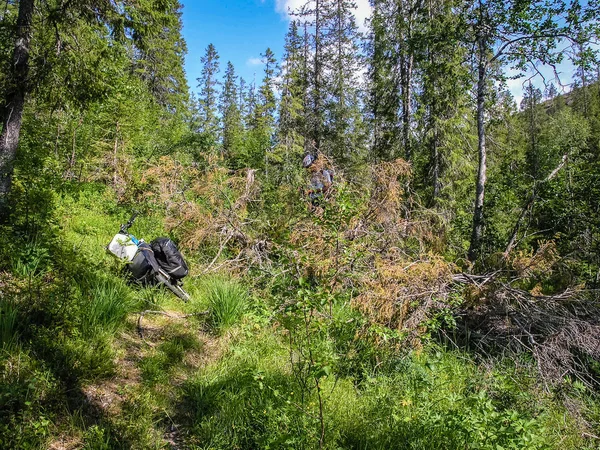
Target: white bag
123,247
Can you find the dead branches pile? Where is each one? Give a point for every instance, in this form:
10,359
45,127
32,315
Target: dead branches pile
207,208
402,295
387,197
509,310
561,330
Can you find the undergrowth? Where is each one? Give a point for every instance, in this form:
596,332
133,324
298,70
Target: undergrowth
313,329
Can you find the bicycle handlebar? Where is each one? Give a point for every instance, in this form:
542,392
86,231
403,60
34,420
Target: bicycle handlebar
129,223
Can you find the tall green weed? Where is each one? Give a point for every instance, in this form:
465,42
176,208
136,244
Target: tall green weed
8,325
227,301
107,308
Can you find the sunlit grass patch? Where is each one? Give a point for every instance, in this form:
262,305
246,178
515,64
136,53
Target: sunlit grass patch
160,362
227,300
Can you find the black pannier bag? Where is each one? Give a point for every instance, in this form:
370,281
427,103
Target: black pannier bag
143,264
169,258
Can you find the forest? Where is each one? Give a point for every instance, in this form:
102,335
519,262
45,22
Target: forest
439,290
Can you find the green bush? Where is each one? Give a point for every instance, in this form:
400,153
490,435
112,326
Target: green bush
26,392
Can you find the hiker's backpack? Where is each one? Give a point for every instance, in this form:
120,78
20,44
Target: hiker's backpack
144,264
307,161
169,258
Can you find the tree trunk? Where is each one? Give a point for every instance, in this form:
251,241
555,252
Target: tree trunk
481,171
15,97
436,166
434,117
406,79
317,77
305,99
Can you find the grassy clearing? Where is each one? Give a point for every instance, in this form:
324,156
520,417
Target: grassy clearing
431,400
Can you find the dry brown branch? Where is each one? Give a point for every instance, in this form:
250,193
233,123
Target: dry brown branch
560,330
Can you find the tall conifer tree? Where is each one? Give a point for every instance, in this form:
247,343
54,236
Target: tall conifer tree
208,84
229,109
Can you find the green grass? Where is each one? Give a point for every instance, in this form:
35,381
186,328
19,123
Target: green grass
430,400
106,307
227,301
240,390
8,325
158,366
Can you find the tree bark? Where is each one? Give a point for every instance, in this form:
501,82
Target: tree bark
406,67
436,165
15,97
406,77
477,233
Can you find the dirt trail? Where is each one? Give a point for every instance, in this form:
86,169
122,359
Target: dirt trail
143,339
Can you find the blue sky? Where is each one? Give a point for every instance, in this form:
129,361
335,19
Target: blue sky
243,29
239,29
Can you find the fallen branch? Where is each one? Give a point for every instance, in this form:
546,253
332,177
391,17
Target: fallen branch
560,330
477,280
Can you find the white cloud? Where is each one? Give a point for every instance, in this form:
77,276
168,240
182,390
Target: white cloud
286,6
362,11
254,61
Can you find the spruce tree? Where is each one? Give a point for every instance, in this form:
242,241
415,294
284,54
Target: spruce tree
207,100
383,101
291,125
262,129
343,120
160,52
230,113
442,96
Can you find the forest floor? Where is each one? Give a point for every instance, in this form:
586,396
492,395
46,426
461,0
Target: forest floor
141,364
